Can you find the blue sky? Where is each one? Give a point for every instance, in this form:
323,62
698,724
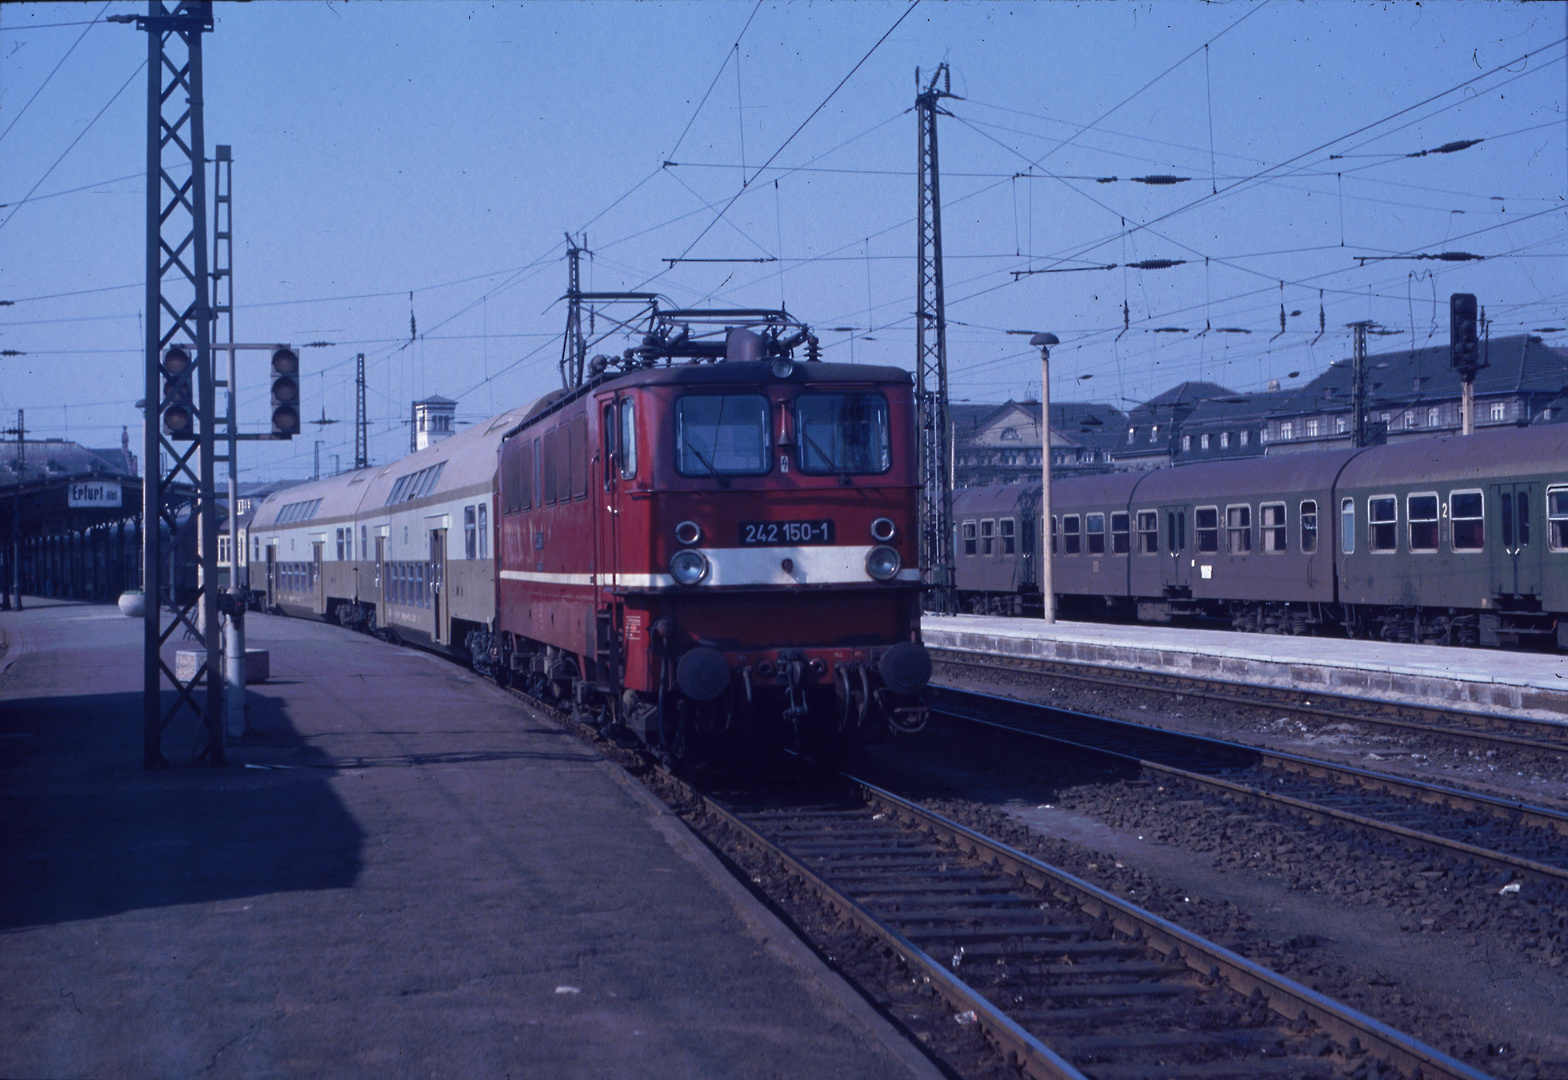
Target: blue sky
444,149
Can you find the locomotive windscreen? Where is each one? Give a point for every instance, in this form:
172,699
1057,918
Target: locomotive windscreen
843,433
722,434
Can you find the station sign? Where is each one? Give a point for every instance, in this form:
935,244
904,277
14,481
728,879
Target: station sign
94,495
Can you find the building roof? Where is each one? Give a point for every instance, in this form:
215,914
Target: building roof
45,458
1521,363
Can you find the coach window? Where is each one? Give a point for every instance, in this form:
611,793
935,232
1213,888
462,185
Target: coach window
722,435
1421,521
1071,538
470,539
628,438
1148,532
1206,523
1008,528
1382,523
1272,537
1466,521
1121,540
970,544
1055,533
1095,527
987,537
1309,526
1176,530
340,547
1347,526
1238,529
1557,518
484,531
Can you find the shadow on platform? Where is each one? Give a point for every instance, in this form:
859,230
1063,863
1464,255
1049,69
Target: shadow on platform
85,832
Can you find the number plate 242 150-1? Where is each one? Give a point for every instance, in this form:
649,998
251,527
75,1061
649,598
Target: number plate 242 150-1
754,533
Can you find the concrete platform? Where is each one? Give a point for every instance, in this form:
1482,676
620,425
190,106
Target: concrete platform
401,873
1490,680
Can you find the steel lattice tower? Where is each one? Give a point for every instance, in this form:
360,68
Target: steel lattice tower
936,473
178,313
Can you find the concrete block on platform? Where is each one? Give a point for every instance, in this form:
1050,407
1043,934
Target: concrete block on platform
258,664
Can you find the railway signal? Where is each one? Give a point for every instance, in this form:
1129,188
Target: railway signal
1463,336
285,393
179,413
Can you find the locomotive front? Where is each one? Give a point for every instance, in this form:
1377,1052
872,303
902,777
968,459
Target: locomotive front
754,548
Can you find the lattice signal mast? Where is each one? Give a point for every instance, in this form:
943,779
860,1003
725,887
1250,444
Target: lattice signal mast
936,472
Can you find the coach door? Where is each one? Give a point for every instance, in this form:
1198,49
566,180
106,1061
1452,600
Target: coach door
378,586
438,605
272,573
318,581
1515,539
1176,577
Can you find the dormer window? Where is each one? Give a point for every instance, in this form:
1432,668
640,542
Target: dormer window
1010,434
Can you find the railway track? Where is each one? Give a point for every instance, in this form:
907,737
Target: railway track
1467,725
1507,835
1067,980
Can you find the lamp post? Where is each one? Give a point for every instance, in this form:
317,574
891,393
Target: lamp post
1047,594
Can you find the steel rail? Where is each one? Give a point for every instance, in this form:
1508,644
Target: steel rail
1285,997
1346,775
1274,697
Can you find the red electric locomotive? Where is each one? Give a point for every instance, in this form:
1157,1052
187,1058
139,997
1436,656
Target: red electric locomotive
716,545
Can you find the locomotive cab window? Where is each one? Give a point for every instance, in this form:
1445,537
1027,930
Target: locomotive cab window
843,434
1466,521
1120,533
1272,537
970,544
1148,532
1238,529
1309,526
1421,521
722,435
1009,533
1557,518
628,441
1382,523
1095,527
1071,538
1206,523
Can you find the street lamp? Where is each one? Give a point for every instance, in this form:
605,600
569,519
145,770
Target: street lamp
1047,594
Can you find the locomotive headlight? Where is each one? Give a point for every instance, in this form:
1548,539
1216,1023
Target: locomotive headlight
882,529
688,567
882,563
782,367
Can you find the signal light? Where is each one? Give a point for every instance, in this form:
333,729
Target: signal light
1463,340
179,417
285,393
